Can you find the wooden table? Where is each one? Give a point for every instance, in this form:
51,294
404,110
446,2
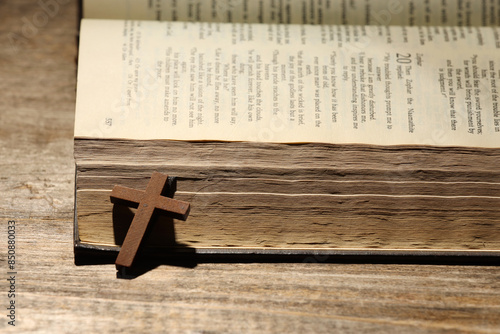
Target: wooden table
37,87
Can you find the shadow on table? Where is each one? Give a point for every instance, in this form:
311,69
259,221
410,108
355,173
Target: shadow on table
187,257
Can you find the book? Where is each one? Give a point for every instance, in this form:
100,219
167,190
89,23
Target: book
294,138
327,12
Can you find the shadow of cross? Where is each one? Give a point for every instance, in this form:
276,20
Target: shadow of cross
148,203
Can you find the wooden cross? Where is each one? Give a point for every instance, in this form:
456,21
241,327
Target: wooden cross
148,203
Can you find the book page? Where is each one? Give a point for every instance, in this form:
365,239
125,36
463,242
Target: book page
352,12
289,83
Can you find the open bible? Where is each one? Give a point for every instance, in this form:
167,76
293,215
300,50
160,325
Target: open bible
293,127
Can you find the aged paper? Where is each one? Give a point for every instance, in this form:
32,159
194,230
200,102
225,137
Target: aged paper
353,12
289,83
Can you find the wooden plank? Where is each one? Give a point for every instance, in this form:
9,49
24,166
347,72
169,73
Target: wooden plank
37,100
248,297
37,71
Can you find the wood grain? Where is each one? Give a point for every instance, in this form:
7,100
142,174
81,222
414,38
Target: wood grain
37,170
